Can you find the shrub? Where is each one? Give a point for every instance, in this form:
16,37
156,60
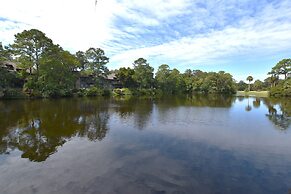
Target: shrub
13,93
144,92
287,87
122,92
93,91
106,92
282,89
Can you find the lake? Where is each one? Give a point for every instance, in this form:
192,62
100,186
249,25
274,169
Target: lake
199,144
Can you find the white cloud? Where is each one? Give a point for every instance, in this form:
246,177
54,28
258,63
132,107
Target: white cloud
77,24
216,46
265,34
73,24
169,31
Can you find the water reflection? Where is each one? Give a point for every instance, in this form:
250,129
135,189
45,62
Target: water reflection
279,113
278,110
257,103
37,128
207,144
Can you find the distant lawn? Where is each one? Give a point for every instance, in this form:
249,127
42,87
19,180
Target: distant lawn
253,93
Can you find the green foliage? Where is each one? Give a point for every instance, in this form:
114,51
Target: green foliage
125,76
283,67
106,92
54,91
122,92
143,73
282,89
29,47
218,83
169,81
287,87
241,86
258,85
96,61
249,79
13,93
93,63
93,91
83,61
201,82
8,79
56,76
144,92
271,81
5,53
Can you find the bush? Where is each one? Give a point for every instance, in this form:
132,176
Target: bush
66,93
13,93
144,92
122,92
283,89
106,92
34,93
287,87
93,91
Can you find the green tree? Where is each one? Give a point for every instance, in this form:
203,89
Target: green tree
258,85
250,79
188,80
29,47
169,81
5,53
7,79
125,76
163,77
283,67
218,83
97,62
143,73
271,81
83,61
176,81
241,86
56,77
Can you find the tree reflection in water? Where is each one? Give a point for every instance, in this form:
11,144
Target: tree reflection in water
248,107
42,126
279,112
38,127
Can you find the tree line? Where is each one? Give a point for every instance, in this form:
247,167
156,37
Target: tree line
172,81
278,82
48,70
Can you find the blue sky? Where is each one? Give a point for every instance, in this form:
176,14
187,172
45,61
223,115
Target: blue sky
243,37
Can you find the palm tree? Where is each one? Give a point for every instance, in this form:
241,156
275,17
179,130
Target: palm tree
250,78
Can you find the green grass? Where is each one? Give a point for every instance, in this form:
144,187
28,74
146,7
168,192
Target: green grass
253,93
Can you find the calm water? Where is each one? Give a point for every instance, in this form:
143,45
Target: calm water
179,145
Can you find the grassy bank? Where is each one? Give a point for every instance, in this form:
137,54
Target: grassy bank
253,93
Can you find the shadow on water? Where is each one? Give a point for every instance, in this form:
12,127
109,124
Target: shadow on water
38,127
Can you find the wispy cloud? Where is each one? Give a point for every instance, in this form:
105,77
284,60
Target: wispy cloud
183,33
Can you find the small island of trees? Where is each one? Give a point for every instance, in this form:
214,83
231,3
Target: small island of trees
33,66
